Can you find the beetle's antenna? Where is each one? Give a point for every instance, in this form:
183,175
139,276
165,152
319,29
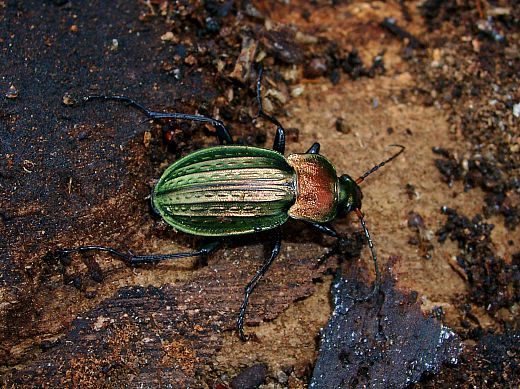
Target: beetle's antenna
361,218
377,282
362,178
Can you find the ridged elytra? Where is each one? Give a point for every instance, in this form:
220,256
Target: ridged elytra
231,190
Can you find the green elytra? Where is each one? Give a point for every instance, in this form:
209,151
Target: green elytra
232,190
235,190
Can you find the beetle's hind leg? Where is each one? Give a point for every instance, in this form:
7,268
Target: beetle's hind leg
279,138
223,133
133,259
254,281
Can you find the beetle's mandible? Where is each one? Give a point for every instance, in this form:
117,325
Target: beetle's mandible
231,190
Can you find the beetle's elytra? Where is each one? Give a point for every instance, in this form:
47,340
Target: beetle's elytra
232,190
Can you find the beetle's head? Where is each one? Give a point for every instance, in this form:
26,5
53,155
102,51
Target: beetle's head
350,195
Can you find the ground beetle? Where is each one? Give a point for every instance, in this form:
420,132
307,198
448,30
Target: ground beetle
233,190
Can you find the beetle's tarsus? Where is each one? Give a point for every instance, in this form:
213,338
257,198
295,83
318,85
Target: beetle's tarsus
248,290
63,257
324,258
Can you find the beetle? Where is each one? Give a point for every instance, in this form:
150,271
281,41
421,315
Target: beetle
231,190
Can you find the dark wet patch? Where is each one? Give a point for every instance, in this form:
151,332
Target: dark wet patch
385,342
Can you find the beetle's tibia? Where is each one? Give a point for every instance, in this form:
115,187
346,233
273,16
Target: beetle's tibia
254,281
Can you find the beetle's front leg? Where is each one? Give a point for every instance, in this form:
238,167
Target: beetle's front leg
324,228
327,229
254,281
340,241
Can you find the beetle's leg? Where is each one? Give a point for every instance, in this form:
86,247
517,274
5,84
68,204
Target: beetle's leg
314,149
222,132
133,259
324,228
279,139
329,230
254,281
